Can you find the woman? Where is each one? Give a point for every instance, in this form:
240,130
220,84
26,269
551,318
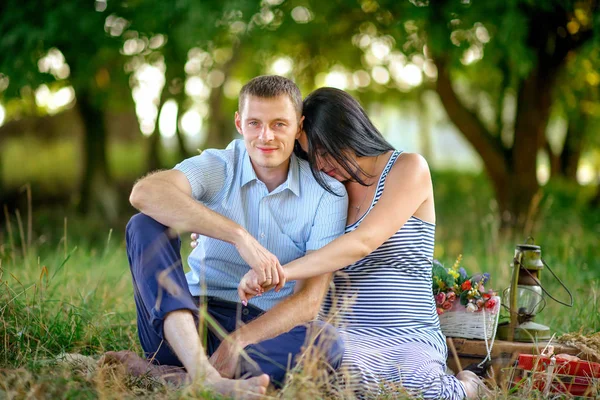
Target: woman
382,297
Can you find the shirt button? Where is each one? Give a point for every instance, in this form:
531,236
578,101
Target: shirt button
245,311
262,235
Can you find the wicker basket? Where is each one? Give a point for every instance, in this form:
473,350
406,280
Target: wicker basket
457,322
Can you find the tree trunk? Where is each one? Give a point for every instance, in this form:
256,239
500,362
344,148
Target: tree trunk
571,153
424,127
1,179
219,133
153,150
564,165
513,172
96,190
596,200
184,153
220,130
153,141
533,110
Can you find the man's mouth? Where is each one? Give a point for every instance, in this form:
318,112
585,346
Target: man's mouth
267,149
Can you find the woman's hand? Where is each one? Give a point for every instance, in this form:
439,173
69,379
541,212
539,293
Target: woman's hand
250,287
194,242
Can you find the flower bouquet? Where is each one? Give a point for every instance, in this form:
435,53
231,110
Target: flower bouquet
464,306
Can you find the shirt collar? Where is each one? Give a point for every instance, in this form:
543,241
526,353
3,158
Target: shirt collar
293,178
248,174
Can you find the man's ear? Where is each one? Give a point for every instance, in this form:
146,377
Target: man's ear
300,127
238,123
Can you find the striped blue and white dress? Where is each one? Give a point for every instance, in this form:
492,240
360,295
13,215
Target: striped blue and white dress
384,308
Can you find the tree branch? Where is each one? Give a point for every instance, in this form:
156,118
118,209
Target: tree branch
488,146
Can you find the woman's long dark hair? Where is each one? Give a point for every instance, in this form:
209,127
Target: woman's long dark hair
335,122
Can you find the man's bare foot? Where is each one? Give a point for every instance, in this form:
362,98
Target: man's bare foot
474,385
245,389
137,366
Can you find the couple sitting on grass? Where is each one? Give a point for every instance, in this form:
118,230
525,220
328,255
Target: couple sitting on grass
312,190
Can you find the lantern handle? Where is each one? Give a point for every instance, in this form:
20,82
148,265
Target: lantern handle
544,289
561,283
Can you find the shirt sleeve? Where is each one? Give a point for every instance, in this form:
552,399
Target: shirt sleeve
330,220
206,173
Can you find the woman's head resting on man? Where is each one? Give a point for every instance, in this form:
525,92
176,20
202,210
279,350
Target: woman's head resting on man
337,131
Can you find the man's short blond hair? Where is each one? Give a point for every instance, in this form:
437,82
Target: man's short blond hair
269,86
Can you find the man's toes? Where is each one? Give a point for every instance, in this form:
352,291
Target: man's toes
263,380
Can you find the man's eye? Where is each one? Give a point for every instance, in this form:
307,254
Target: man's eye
280,124
253,123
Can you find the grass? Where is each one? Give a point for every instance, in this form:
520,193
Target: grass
64,293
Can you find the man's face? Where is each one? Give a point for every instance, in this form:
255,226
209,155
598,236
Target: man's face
270,127
325,162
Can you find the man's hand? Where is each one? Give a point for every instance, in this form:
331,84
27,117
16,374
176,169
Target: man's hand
264,263
225,358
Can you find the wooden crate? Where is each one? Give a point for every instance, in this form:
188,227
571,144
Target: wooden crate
504,354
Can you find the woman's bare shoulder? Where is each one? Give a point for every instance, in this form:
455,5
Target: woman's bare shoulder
412,167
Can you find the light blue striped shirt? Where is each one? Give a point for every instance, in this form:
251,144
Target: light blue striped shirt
296,217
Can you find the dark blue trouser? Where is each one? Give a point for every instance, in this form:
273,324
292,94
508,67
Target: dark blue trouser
160,287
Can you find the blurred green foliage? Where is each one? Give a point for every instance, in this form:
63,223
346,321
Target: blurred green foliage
502,70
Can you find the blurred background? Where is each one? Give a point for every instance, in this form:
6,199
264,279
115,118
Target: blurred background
501,97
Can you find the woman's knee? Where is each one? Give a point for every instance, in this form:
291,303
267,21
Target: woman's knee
330,341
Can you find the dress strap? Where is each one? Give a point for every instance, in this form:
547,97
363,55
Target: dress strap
385,173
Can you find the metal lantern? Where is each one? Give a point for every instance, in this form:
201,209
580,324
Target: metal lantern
525,296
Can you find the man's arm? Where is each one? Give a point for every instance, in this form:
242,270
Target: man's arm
166,196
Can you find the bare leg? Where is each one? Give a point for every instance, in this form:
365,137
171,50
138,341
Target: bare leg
182,335
180,331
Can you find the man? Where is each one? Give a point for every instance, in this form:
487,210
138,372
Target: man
255,205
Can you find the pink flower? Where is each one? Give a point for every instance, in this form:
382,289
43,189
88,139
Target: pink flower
440,311
440,298
480,303
451,297
447,305
491,304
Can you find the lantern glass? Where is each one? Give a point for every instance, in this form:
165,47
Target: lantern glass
529,299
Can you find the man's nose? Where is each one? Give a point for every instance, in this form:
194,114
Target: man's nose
266,134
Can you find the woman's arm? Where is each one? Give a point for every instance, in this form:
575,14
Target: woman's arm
407,187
